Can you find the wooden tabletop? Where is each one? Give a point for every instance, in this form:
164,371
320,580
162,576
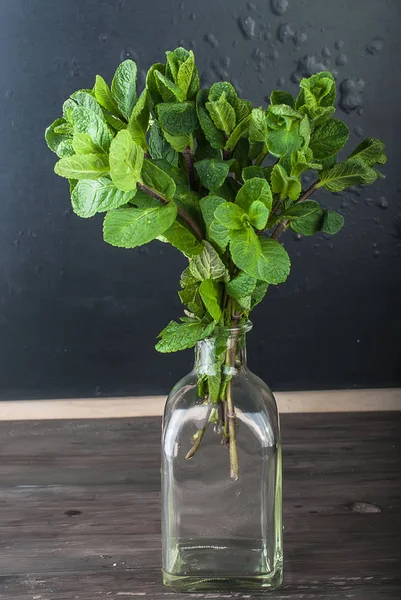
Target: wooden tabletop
80,509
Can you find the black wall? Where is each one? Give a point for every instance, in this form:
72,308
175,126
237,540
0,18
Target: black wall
78,317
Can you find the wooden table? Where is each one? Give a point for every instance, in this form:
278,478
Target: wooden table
80,504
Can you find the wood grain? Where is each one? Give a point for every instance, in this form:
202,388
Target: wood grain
80,502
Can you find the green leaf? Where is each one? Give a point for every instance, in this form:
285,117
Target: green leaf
258,214
152,82
116,124
123,87
241,286
60,144
169,91
82,166
332,222
68,106
212,172
371,151
285,185
131,227
126,160
83,144
210,292
215,232
214,136
300,210
259,293
222,114
284,141
182,239
302,161
353,171
185,73
157,179
281,97
159,146
319,90
253,171
243,109
104,96
240,131
231,216
180,142
177,118
85,120
225,89
139,120
254,189
274,263
191,297
86,99
179,336
245,249
93,196
208,265
328,139
257,126
187,279
308,224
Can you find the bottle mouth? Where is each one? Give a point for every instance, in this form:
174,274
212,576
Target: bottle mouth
234,330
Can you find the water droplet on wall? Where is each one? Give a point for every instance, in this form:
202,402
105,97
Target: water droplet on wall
251,6
307,66
247,25
326,52
375,46
351,94
128,53
339,44
192,16
103,37
383,202
358,131
341,60
369,201
279,7
285,32
259,59
211,40
280,81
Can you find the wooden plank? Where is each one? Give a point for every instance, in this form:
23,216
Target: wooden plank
148,406
80,500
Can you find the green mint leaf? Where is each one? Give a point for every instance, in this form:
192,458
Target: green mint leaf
319,90
302,161
169,91
253,171
64,129
309,223
181,238
222,114
231,216
157,179
115,124
159,148
180,142
212,172
208,265
87,100
210,292
82,166
371,151
186,73
328,139
123,87
273,263
300,210
68,106
240,131
257,126
253,189
332,222
152,82
177,118
191,297
281,97
104,96
139,120
60,144
93,196
126,160
258,293
243,109
83,144
258,214
223,89
241,286
132,227
245,250
215,232
187,279
285,140
179,336
284,185
214,136
85,120
353,171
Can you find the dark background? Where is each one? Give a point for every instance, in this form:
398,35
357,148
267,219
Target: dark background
78,317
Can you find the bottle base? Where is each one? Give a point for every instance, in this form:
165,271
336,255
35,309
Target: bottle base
190,583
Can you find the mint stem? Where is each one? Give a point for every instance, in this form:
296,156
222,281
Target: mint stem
191,222
192,178
283,225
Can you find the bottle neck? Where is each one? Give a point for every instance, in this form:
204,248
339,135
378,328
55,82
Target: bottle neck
226,351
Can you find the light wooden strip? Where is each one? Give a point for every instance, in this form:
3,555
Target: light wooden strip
144,406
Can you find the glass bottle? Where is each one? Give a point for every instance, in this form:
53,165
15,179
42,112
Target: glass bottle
221,475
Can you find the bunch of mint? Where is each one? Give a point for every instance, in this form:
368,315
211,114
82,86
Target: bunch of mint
203,170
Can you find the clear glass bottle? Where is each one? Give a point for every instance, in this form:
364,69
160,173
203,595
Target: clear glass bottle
221,502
